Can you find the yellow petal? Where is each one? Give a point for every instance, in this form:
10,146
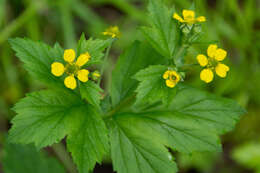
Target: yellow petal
96,74
212,50
203,60
83,59
177,17
220,55
112,31
188,15
57,69
170,83
206,75
69,55
70,82
201,19
221,70
83,75
166,74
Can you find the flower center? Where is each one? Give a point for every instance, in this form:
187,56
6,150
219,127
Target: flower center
212,63
71,69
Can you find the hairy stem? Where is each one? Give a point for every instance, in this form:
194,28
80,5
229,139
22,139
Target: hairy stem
64,157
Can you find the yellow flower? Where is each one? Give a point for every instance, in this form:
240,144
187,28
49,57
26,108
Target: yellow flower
171,78
213,63
188,17
72,68
112,31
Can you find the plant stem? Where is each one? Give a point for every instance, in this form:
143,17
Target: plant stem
17,23
64,157
119,106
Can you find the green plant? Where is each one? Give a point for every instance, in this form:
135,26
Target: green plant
146,112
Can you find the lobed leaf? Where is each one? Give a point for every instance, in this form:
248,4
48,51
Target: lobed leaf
135,58
37,58
152,87
88,138
163,34
95,47
42,117
91,92
214,112
133,152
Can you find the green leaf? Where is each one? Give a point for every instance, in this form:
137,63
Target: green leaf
137,57
214,112
26,159
88,138
91,92
163,34
171,129
152,87
37,58
95,47
133,152
42,117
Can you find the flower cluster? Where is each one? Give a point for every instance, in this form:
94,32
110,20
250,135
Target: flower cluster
72,68
212,62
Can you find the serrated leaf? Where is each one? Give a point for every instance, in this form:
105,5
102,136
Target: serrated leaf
26,159
95,47
172,129
42,117
214,112
37,58
137,57
91,92
163,34
133,152
152,87
88,138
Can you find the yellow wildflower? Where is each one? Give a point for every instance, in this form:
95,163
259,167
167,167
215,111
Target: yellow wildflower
188,17
213,63
112,31
72,68
171,78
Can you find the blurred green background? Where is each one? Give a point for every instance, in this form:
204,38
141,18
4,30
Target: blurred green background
235,24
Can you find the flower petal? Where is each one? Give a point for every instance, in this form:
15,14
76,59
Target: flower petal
69,55
203,60
170,83
206,75
221,70
188,15
83,59
220,55
177,17
212,50
83,75
112,31
201,19
166,74
57,69
70,82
